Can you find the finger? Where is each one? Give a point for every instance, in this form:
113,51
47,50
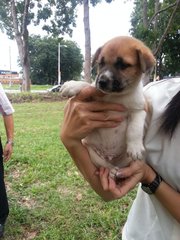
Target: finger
112,184
105,116
115,189
127,185
128,171
97,106
96,172
104,175
89,92
103,124
6,159
6,156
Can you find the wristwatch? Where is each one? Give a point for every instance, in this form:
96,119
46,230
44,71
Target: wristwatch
10,142
152,187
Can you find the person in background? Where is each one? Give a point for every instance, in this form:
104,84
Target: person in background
6,111
155,212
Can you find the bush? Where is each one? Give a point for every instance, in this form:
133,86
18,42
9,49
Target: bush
34,97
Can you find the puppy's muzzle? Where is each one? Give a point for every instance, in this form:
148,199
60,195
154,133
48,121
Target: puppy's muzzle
108,83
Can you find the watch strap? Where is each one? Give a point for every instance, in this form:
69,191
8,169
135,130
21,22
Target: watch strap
10,142
152,187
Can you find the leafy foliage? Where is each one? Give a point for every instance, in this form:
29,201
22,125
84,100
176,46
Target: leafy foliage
44,60
168,57
95,2
56,17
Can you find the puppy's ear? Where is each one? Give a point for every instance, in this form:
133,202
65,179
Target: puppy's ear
95,57
146,59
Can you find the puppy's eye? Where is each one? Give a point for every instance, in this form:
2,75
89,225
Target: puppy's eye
102,63
120,64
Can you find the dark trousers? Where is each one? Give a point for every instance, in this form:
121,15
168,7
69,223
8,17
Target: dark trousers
4,208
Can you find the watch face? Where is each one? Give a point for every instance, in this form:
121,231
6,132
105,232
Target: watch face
146,189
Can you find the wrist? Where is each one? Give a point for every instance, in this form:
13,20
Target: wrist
152,187
10,141
149,175
70,142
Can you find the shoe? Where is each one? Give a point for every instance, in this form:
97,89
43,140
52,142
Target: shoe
1,230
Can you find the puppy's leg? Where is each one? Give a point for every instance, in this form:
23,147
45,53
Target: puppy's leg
135,133
71,88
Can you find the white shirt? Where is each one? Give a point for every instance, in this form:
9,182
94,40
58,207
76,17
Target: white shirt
148,219
5,105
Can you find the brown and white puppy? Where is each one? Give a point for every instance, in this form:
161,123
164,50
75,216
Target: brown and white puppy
121,63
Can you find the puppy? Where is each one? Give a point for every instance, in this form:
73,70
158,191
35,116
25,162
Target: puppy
121,63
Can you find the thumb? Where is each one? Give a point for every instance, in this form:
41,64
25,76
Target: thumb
88,93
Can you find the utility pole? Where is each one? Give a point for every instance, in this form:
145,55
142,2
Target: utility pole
59,63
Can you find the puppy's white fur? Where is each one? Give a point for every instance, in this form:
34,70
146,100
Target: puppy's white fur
116,147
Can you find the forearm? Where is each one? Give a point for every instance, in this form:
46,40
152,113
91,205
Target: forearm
139,171
85,166
170,199
9,126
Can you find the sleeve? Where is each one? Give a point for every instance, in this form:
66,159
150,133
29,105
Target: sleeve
5,105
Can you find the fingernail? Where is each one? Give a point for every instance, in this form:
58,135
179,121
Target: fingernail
119,174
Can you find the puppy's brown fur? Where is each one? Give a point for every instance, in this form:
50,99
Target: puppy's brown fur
121,63
125,57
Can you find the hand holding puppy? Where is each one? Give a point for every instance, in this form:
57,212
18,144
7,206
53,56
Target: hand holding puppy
121,63
138,171
82,115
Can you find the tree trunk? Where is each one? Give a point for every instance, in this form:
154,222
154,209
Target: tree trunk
87,64
145,18
26,62
22,43
156,8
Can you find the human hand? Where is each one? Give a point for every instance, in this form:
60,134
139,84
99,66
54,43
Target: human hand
83,114
128,177
7,152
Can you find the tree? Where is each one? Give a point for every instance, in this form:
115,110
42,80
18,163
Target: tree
16,16
44,60
158,25
87,33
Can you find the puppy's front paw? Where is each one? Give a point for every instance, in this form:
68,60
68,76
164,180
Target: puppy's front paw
135,151
72,88
113,172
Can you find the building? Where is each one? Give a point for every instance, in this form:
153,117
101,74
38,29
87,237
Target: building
10,77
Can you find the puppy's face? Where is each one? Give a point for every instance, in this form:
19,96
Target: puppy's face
120,63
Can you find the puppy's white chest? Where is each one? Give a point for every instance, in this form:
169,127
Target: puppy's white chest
107,144
117,146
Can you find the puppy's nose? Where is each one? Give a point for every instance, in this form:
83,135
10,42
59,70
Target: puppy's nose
116,86
103,83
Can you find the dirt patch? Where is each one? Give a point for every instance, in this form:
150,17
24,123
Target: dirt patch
27,202
29,234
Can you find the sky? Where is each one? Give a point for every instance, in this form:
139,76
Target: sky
106,21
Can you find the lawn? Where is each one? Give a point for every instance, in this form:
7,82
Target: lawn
49,199
33,87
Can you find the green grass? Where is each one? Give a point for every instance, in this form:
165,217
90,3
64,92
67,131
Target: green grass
33,87
49,199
